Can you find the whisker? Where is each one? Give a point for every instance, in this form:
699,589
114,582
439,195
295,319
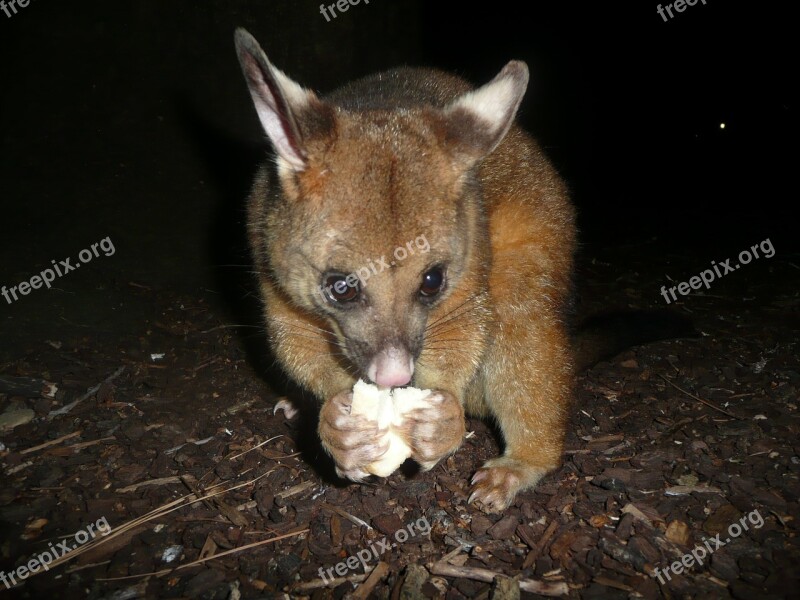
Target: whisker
311,332
423,361
446,316
307,337
439,333
231,266
443,343
457,312
305,326
446,349
466,301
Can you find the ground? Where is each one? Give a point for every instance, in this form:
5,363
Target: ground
670,444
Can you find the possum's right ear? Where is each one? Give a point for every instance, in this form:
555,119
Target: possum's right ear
282,105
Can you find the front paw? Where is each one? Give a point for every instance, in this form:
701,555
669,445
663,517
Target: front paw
353,441
434,429
497,482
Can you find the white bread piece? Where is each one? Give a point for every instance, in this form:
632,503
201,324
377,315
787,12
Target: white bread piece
388,408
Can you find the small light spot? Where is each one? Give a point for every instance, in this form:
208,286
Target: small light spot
722,125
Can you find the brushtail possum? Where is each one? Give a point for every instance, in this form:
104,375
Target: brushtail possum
478,319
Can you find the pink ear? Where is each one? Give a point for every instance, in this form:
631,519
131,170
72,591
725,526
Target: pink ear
278,100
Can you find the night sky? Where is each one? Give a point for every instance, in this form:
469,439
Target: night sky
630,108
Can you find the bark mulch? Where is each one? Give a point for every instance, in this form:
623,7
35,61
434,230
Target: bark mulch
674,446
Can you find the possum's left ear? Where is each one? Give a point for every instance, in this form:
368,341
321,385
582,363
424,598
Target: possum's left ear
479,120
287,111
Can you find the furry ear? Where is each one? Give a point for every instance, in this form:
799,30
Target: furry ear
479,120
279,101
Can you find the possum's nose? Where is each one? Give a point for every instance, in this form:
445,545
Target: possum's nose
391,367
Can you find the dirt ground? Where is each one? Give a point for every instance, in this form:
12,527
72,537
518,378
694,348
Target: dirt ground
140,443
670,444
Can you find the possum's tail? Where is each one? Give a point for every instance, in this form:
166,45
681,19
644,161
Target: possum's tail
604,335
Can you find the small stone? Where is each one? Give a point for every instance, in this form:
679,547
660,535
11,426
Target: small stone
678,532
599,521
415,578
171,554
14,418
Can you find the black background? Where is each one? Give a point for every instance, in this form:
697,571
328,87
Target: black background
131,120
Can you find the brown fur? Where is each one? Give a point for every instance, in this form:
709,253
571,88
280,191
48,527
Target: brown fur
384,161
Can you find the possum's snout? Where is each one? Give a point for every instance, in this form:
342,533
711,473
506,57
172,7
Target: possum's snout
391,367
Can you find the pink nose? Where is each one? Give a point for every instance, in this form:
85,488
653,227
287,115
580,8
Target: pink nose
391,367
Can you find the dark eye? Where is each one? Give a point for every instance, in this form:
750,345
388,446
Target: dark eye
341,288
432,282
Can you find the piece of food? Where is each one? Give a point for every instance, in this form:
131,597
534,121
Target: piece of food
388,407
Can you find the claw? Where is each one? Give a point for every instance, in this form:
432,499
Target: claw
353,475
375,451
480,475
287,407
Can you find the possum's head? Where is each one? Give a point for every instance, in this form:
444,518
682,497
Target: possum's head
376,218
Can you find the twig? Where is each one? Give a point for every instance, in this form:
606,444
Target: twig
315,584
77,568
353,519
478,574
452,554
677,425
254,447
537,549
365,589
89,393
295,489
699,399
51,442
226,509
161,511
80,445
159,481
19,467
200,561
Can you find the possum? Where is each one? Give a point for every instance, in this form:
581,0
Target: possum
478,320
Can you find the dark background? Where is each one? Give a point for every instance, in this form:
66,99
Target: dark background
131,120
